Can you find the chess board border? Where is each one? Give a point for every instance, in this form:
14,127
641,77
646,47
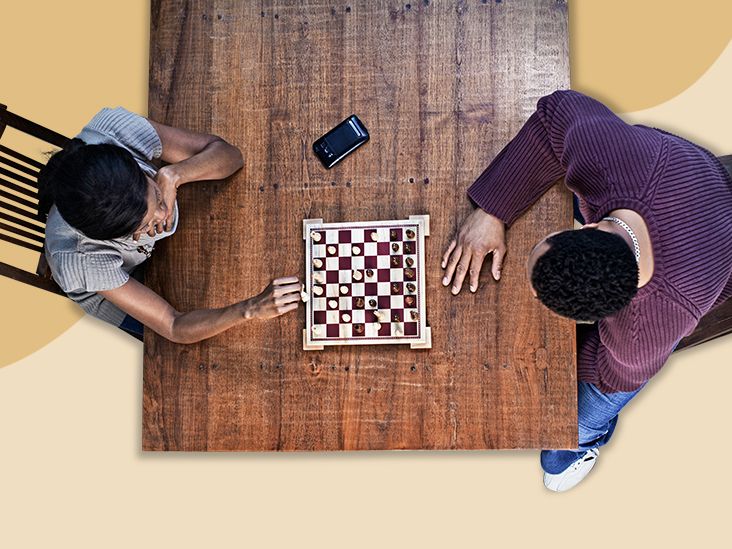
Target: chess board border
423,340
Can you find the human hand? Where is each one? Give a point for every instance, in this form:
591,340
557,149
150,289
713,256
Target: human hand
168,180
280,297
480,234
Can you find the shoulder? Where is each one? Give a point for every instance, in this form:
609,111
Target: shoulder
654,322
118,126
76,271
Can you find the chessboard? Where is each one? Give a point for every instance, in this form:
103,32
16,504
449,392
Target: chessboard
365,283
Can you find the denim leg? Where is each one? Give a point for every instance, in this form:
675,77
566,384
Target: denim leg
132,326
597,416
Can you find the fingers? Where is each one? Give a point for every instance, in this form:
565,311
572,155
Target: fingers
451,265
168,222
285,290
287,309
476,264
460,271
447,253
287,299
497,263
285,280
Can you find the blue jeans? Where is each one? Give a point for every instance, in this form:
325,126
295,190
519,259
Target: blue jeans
132,326
597,415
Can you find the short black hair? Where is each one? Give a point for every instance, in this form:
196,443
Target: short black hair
586,274
99,190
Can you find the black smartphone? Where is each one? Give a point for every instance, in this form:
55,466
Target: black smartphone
339,142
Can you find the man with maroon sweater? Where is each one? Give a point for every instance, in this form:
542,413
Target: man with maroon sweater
655,256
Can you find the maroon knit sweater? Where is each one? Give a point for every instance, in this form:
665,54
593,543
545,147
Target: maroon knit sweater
680,189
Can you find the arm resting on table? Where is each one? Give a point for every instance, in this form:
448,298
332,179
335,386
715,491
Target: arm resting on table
156,313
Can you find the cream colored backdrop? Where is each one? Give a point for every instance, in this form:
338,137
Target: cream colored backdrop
72,471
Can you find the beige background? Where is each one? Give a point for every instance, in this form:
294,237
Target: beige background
72,470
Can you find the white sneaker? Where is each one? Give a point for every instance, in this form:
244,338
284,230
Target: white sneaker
572,475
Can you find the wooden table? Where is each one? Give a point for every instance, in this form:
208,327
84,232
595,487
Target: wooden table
442,87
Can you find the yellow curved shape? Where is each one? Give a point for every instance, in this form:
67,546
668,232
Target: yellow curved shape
702,113
635,55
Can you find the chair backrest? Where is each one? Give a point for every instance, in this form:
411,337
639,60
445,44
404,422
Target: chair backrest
19,198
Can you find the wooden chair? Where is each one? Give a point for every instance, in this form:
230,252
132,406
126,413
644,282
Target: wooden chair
19,199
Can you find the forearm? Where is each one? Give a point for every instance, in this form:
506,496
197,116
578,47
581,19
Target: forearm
524,170
217,160
201,324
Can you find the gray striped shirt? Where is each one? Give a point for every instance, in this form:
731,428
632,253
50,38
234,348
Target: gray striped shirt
83,266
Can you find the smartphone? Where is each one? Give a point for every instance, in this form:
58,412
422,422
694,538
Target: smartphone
339,142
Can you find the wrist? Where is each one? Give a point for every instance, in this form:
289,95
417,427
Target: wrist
172,175
245,310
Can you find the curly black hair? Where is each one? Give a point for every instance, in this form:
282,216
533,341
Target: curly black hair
98,189
586,274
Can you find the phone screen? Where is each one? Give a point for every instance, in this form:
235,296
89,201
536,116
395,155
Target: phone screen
342,138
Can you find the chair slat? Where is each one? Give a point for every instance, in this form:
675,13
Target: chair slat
21,232
31,279
30,193
21,243
18,189
20,179
18,200
22,223
31,128
21,157
3,110
33,216
20,167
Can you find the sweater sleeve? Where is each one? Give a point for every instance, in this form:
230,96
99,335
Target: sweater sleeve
620,353
559,136
125,128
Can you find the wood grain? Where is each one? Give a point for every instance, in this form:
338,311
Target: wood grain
442,87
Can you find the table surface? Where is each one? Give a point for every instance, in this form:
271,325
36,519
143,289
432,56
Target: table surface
442,87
